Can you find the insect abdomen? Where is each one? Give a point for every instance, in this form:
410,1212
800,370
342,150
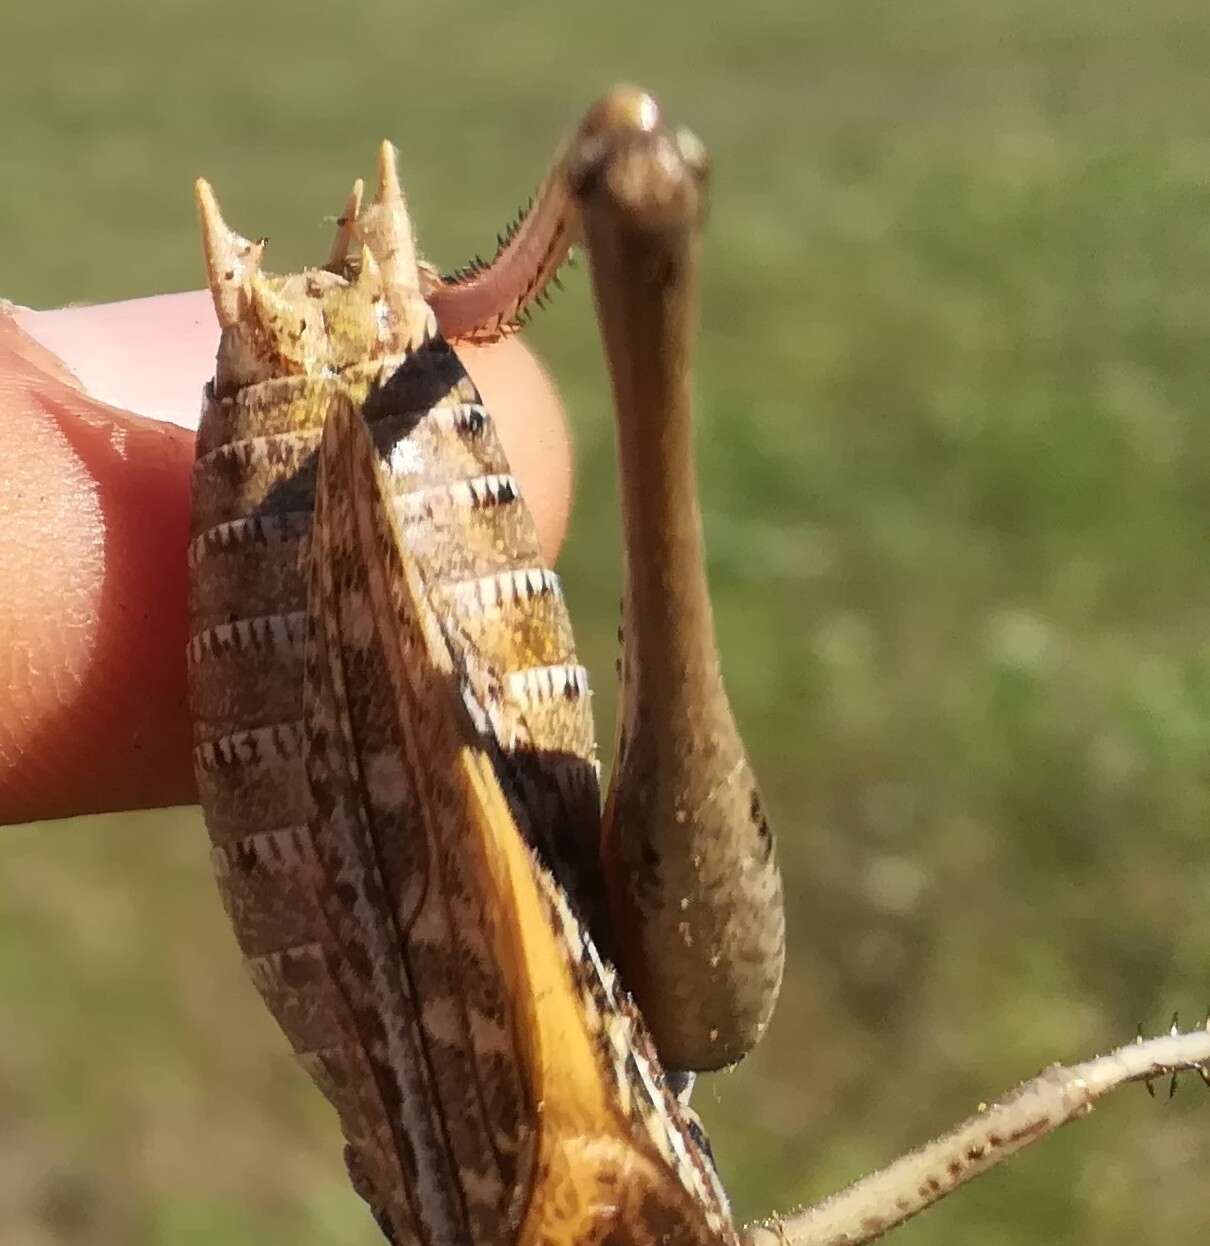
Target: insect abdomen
475,544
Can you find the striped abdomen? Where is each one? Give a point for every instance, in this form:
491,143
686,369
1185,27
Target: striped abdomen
475,546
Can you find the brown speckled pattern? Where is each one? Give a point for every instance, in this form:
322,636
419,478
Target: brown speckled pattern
252,530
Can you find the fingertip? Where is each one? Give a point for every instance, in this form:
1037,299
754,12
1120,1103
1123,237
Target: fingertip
92,608
149,355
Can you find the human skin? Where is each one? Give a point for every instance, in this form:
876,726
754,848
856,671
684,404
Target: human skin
97,407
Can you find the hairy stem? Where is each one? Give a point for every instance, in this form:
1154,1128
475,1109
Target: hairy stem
871,1206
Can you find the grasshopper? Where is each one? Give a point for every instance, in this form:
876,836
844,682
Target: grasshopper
500,987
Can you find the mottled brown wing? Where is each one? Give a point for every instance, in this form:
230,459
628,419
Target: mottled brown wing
499,1104
445,1138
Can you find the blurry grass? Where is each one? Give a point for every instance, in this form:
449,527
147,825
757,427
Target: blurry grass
953,392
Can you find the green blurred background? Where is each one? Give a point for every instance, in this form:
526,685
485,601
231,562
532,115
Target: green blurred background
952,395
